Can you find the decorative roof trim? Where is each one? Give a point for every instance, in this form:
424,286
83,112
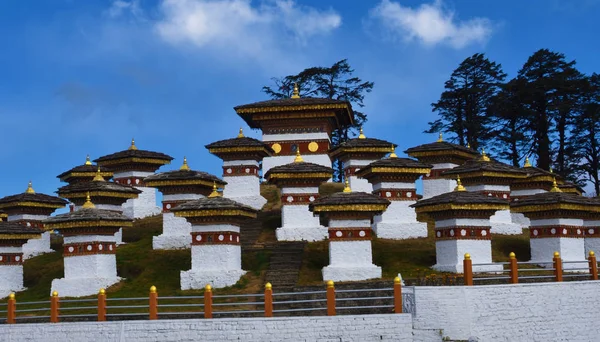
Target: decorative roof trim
31,204
215,212
86,224
119,161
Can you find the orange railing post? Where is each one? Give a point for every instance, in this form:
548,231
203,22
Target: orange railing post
558,272
330,298
101,305
514,269
153,303
11,309
593,265
468,269
208,301
268,300
54,307
397,295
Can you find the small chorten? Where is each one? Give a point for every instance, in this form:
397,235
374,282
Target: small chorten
84,173
299,184
30,209
177,187
12,238
89,249
215,240
357,153
492,179
556,224
350,252
241,167
131,167
443,156
394,179
462,225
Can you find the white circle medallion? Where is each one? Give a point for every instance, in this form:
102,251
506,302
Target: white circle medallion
290,199
168,206
505,196
338,233
28,224
198,237
535,232
247,170
237,239
311,198
409,194
463,232
71,249
89,247
483,233
451,232
1,258
564,231
17,258
229,170
221,237
553,231
591,231
110,247
129,181
362,233
578,231
439,234
137,181
388,194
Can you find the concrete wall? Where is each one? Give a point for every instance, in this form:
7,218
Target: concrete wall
317,328
524,312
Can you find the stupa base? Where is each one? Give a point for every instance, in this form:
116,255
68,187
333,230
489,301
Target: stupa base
194,280
351,272
256,202
400,231
459,268
80,287
11,279
6,292
139,211
520,219
591,244
171,242
119,237
35,247
301,233
506,228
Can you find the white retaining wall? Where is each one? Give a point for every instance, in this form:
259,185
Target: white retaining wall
389,327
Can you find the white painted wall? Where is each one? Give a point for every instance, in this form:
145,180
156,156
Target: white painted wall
35,247
142,206
399,222
434,187
298,223
501,223
176,233
11,280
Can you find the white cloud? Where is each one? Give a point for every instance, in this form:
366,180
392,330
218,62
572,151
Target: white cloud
240,26
431,24
120,7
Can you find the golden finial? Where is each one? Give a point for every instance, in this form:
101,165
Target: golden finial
467,256
98,177
512,255
347,186
133,147
102,292
440,138
29,189
397,280
298,158
459,186
208,288
11,295
468,145
330,283
393,154
241,133
592,254
556,255
185,165
550,169
361,135
527,163
152,289
484,156
296,93
55,294
268,286
215,192
88,202
87,160
555,187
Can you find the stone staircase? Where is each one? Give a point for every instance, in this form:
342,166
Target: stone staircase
284,268
250,231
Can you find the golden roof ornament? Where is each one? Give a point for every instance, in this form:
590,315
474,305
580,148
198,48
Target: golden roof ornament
296,93
361,135
241,133
527,163
550,169
459,186
88,202
185,166
440,138
87,160
98,177
484,156
393,154
468,145
298,158
347,186
555,187
133,147
215,192
29,189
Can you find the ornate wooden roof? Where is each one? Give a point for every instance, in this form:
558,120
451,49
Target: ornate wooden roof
214,206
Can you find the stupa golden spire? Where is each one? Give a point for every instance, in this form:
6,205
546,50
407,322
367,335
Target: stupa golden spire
484,156
296,93
241,133
87,160
29,189
298,158
555,187
527,163
459,186
440,138
361,135
393,154
133,147
88,202
98,177
185,165
347,186
215,192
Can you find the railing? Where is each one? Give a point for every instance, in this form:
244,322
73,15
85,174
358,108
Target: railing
529,270
268,304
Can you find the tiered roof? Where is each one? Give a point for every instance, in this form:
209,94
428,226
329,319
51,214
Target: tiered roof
85,172
394,168
134,159
30,200
298,171
184,180
16,231
442,152
100,190
214,208
362,147
555,201
480,170
240,148
348,202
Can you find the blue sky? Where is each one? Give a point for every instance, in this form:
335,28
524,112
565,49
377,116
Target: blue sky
84,77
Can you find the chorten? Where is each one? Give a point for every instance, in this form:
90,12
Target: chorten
30,209
177,187
106,195
299,184
12,238
241,168
131,167
493,179
85,173
394,179
89,249
556,224
443,156
350,214
357,153
462,225
297,123
215,240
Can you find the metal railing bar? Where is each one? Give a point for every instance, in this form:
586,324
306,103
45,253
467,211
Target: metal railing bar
359,298
236,311
31,317
79,308
536,269
535,263
179,305
364,290
576,275
77,300
298,293
127,314
124,299
182,313
239,295
538,277
364,307
301,301
492,264
32,310
31,303
490,278
574,262
3,304
576,269
182,297
298,310
73,316
238,304
128,307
